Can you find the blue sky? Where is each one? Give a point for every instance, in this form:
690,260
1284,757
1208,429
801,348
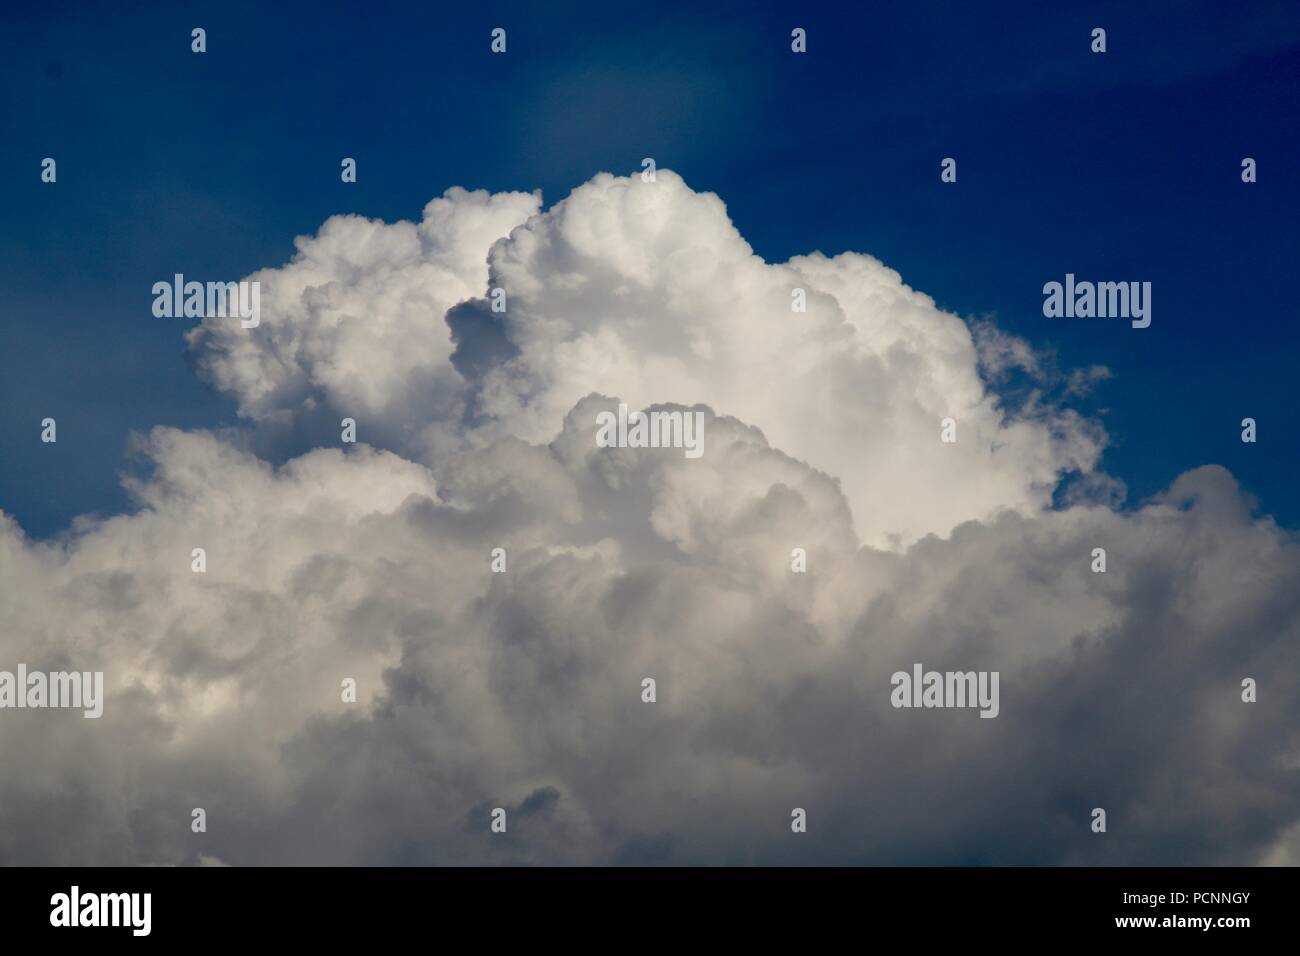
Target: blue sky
1122,166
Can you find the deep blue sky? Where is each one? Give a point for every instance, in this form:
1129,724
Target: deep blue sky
1117,166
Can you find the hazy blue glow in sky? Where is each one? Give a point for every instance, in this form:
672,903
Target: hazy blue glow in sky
1123,166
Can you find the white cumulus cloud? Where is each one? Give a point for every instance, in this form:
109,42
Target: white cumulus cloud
522,690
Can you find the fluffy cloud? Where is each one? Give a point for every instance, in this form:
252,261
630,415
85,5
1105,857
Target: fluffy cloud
358,316
646,291
522,690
